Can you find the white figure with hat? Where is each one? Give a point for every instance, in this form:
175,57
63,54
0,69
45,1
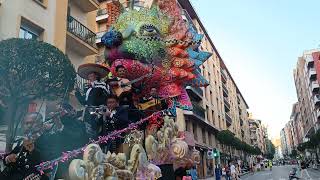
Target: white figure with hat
98,91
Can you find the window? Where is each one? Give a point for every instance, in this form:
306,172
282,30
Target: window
204,139
27,34
194,130
213,118
29,30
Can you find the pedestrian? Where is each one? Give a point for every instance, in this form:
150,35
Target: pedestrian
224,173
238,171
218,172
228,173
303,167
233,170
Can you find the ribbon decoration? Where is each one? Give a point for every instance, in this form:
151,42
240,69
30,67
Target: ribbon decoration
101,139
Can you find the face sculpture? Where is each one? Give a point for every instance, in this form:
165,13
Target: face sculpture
157,42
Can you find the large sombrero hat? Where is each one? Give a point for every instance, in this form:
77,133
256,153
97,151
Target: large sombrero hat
85,69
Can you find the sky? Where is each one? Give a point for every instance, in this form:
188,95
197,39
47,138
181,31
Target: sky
260,42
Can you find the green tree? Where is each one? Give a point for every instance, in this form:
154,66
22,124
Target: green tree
30,70
294,153
271,150
226,137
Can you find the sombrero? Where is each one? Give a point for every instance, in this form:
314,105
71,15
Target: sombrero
85,69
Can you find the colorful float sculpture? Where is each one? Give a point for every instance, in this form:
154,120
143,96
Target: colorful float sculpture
157,44
155,40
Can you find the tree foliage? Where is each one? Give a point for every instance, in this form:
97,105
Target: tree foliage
227,137
271,150
314,141
31,70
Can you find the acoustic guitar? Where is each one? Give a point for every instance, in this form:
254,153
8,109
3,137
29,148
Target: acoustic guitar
125,85
149,104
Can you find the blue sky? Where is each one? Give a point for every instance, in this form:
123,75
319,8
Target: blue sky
260,42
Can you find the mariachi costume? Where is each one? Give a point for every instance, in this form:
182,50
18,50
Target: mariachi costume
96,95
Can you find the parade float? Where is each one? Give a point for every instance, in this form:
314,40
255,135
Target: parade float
158,47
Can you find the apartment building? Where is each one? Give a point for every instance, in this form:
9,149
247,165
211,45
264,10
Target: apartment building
307,87
258,134
283,139
218,106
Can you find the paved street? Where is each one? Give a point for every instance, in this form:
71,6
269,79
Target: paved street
279,173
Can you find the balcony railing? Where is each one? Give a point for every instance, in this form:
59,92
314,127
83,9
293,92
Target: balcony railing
228,118
314,86
223,75
81,31
226,102
312,74
198,111
196,90
225,90
309,61
317,100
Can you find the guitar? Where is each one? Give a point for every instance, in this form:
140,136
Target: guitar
125,85
150,103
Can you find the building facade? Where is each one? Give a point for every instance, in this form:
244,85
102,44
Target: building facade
307,87
216,107
283,139
258,134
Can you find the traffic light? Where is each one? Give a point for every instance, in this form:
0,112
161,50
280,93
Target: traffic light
216,153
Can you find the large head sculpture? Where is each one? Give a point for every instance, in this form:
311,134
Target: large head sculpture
155,40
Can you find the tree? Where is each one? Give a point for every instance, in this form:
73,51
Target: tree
30,70
293,154
226,137
271,150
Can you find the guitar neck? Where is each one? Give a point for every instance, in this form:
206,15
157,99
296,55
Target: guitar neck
138,79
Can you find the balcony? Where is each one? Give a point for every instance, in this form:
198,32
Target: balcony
317,100
312,74
197,111
223,75
241,122
309,61
226,103
228,119
195,92
102,16
80,38
318,114
314,86
99,36
87,5
225,90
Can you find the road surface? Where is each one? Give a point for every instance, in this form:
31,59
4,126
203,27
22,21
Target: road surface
280,173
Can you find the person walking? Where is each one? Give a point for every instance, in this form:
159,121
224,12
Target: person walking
304,172
218,172
233,170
